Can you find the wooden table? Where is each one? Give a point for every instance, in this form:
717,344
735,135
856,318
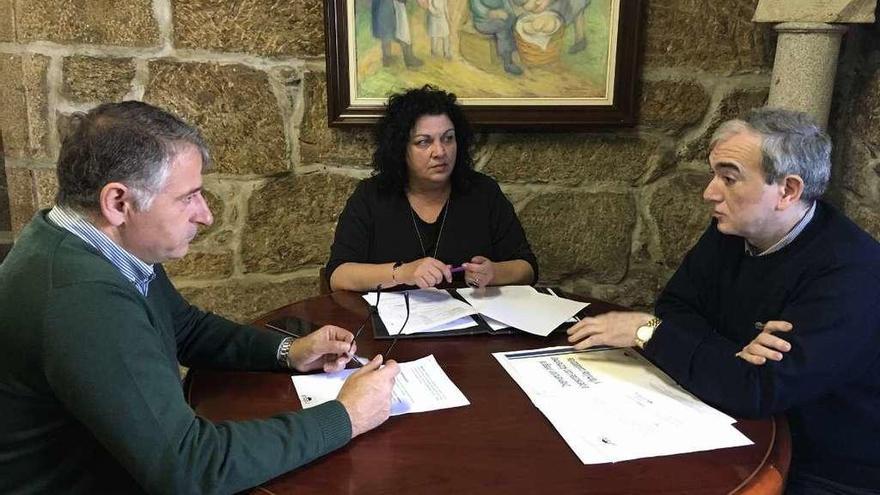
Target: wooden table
501,443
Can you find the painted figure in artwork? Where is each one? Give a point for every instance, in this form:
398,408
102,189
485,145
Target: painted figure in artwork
438,27
390,23
497,18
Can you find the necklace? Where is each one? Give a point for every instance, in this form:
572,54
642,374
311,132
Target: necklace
442,223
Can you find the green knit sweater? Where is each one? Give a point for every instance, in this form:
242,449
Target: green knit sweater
90,393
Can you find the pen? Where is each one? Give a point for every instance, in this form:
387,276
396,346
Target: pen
280,330
456,269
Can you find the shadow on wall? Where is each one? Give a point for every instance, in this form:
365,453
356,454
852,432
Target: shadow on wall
5,220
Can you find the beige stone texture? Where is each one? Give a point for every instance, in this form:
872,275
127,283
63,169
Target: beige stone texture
22,197
92,79
201,265
672,105
679,215
23,100
321,144
244,301
572,159
104,22
715,36
264,27
638,291
233,106
805,66
860,173
7,20
291,221
46,183
732,106
866,216
864,118
580,234
843,11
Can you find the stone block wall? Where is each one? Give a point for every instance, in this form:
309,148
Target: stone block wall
608,213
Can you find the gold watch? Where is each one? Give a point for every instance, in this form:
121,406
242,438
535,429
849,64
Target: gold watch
646,331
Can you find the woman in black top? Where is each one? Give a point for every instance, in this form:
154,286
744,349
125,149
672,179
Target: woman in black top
425,215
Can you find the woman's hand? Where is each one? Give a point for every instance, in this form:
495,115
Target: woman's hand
424,273
480,272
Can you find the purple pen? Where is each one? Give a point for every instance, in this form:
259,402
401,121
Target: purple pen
456,269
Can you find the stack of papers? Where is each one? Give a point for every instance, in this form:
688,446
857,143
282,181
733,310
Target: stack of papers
613,405
421,386
435,310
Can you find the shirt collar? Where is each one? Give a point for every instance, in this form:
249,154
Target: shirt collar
131,267
788,238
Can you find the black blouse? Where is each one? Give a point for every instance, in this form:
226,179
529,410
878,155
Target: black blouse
379,227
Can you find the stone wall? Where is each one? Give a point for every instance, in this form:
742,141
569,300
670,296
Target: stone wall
609,214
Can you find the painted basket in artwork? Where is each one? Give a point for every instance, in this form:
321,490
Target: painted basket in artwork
542,47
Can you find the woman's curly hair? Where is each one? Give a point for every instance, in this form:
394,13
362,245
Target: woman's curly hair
393,135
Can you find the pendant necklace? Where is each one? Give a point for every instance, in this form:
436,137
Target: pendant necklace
442,223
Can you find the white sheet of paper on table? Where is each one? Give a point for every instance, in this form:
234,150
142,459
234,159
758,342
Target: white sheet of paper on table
421,386
523,307
612,405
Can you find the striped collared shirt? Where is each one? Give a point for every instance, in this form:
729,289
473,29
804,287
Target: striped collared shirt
791,236
131,267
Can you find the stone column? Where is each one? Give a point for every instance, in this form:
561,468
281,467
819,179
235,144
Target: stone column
805,66
806,52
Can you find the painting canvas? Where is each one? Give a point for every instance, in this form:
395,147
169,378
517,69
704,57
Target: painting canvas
525,62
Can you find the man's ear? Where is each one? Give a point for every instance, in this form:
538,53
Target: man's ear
115,201
792,188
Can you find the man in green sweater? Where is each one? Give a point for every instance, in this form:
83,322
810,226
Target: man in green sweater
92,330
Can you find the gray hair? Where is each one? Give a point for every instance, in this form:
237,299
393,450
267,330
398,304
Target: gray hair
792,143
130,142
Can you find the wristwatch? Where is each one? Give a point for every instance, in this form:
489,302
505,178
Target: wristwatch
646,331
284,352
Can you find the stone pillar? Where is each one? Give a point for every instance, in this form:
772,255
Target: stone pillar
805,66
806,52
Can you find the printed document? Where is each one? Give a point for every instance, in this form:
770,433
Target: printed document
429,310
611,404
421,386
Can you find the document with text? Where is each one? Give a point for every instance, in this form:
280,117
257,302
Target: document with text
430,310
421,386
612,404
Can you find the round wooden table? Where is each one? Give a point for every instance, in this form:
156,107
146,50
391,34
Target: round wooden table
501,443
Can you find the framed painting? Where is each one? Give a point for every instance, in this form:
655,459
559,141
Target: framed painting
525,64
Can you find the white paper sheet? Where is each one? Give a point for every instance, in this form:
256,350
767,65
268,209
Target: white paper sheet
428,309
612,404
421,386
523,307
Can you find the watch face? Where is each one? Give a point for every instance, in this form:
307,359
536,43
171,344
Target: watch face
644,333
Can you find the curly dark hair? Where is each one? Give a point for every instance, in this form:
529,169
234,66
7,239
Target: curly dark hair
393,135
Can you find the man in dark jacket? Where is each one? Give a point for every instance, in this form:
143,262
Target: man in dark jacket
775,308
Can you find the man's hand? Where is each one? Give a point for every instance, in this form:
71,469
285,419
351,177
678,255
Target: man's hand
615,329
424,273
326,348
366,395
480,272
766,345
